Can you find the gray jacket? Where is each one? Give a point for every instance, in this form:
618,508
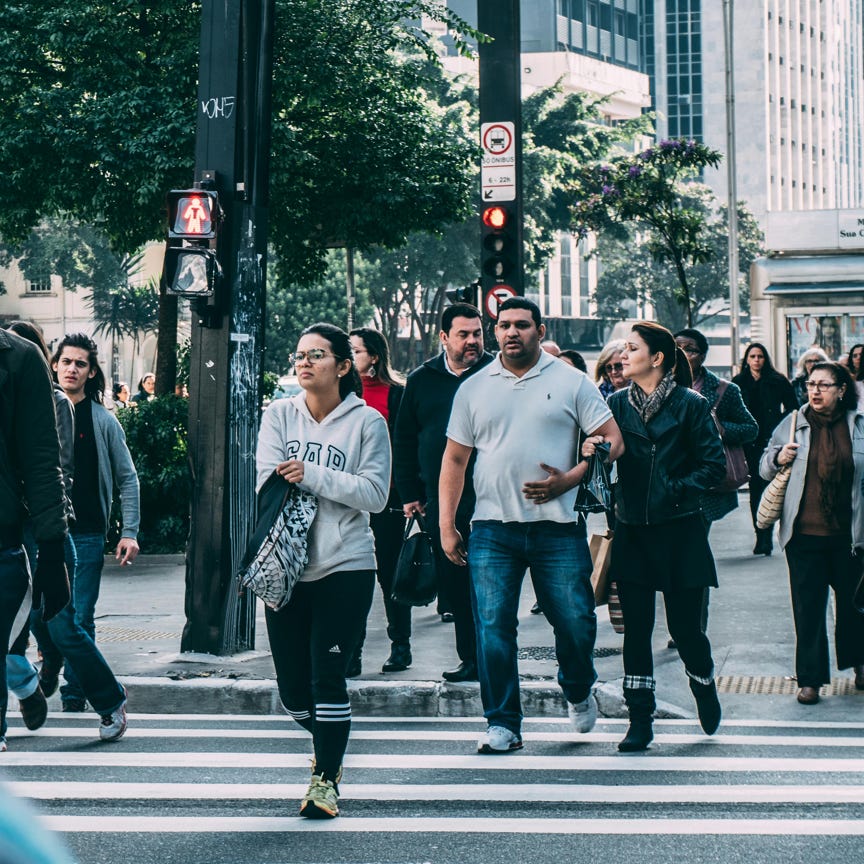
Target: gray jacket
768,468
115,467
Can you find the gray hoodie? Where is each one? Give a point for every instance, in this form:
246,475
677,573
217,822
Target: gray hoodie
347,467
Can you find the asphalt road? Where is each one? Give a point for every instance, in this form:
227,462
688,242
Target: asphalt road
222,789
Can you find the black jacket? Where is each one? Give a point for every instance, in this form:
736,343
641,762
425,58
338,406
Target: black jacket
421,431
668,464
29,447
769,400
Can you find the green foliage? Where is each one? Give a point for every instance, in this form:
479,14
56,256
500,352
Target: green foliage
561,134
156,433
631,276
649,191
99,104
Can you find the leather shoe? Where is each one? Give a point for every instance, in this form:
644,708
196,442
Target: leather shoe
399,660
49,678
808,695
463,672
764,545
34,709
859,677
447,617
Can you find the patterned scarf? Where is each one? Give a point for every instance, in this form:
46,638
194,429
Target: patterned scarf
647,405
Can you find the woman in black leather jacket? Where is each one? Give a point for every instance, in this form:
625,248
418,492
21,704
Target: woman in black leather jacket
672,455
769,397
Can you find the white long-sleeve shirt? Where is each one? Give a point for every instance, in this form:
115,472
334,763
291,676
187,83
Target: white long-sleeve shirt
347,467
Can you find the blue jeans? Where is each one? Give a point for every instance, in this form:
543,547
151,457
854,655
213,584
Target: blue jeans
86,668
13,587
90,550
498,555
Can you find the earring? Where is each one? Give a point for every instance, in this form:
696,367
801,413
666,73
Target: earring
372,372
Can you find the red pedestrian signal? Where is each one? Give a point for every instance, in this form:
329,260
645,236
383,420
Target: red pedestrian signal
193,214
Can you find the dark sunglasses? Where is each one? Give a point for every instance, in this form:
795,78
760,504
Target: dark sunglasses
614,367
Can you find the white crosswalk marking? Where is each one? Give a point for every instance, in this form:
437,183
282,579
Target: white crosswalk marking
409,776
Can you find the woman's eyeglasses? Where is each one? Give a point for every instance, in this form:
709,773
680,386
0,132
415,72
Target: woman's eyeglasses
819,386
614,367
313,355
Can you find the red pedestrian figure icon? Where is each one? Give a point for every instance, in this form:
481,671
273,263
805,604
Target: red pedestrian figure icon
194,214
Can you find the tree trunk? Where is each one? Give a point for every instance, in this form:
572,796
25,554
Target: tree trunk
166,344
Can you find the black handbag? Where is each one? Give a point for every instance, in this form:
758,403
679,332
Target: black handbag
276,554
415,581
594,493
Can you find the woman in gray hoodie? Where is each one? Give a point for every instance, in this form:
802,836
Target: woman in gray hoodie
330,443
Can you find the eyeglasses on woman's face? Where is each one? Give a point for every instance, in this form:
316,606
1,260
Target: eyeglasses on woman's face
313,355
614,367
820,386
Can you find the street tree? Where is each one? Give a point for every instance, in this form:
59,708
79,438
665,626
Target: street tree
81,255
648,191
630,276
99,103
407,285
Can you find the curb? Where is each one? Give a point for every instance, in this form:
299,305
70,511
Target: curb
368,698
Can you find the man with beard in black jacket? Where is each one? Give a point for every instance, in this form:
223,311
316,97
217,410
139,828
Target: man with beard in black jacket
418,447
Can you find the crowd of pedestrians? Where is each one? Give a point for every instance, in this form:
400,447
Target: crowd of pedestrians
488,451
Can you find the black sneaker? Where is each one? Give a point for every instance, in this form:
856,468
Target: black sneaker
75,706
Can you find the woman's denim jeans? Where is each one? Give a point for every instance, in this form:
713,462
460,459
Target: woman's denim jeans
557,554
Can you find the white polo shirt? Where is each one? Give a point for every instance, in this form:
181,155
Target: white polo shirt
514,424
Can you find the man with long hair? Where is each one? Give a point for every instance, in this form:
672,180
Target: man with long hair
102,460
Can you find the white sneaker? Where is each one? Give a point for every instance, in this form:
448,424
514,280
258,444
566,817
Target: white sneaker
583,715
113,725
3,746
497,739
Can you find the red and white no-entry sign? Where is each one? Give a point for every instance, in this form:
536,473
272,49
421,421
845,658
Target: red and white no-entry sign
495,297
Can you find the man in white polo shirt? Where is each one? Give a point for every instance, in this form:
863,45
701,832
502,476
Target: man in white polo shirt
522,415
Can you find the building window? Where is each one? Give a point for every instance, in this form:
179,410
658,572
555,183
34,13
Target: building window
40,285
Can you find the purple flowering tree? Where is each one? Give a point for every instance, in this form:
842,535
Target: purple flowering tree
648,192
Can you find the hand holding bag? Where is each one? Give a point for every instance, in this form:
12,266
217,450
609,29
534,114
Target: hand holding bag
415,580
594,494
276,554
771,503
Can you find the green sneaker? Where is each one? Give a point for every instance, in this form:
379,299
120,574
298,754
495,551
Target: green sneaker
321,799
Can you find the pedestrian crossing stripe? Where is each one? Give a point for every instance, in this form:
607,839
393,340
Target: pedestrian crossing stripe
443,735
474,825
524,793
645,762
477,722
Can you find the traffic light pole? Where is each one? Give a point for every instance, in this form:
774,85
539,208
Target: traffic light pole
232,156
501,139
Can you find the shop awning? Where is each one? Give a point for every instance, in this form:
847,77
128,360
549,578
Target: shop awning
854,287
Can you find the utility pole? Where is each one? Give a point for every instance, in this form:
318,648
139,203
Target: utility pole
232,157
732,183
501,254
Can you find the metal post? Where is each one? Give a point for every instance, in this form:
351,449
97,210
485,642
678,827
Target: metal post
349,286
501,109
232,152
732,191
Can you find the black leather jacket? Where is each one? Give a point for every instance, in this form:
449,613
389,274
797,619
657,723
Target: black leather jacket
667,464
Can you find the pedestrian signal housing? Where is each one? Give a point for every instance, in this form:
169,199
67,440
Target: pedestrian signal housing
191,267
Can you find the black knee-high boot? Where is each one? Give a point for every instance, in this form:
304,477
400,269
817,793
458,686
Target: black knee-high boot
640,705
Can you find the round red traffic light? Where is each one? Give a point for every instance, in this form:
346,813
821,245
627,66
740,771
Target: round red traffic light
495,217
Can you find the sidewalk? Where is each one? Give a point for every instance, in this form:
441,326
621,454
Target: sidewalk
140,618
